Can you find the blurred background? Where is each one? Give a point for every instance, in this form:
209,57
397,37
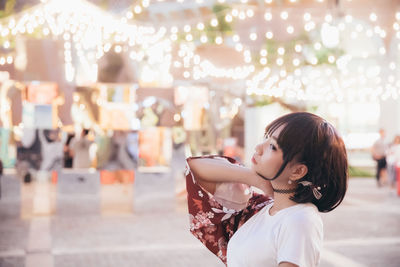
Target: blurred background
101,101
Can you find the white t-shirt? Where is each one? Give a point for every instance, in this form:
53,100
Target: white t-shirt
292,235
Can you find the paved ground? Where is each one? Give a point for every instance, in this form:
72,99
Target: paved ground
152,229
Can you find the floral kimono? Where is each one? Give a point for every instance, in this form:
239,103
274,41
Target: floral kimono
215,218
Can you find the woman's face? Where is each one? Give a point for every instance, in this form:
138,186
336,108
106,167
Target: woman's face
268,157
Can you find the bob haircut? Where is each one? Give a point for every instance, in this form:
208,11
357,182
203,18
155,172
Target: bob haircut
308,139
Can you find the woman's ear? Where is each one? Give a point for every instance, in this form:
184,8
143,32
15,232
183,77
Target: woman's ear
298,171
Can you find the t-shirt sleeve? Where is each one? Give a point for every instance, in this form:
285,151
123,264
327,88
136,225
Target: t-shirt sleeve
300,241
212,220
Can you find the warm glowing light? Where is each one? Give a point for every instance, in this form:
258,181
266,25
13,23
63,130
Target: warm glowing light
317,46
228,18
200,26
6,44
373,17
129,14
253,36
214,22
118,49
238,47
328,18
189,37
290,29
263,52
307,16
138,9
263,61
268,16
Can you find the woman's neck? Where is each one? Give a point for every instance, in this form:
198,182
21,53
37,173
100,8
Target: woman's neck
281,201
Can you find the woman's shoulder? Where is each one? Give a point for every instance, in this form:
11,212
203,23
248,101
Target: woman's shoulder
305,213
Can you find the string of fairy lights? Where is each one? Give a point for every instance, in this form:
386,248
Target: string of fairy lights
317,67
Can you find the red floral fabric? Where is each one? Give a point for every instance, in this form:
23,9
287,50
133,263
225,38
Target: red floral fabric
212,223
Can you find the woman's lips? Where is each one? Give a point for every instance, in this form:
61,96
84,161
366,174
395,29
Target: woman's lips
253,160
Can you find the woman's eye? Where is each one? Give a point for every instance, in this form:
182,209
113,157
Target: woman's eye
272,146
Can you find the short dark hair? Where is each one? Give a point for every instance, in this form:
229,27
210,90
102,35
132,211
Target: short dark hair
310,140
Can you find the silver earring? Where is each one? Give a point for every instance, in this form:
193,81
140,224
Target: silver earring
290,181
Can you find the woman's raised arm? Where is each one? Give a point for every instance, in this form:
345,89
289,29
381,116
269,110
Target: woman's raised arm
211,171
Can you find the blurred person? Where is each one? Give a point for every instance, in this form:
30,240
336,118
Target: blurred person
51,150
392,160
68,159
378,152
301,166
29,154
79,150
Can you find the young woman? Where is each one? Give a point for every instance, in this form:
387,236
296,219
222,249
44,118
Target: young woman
302,168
